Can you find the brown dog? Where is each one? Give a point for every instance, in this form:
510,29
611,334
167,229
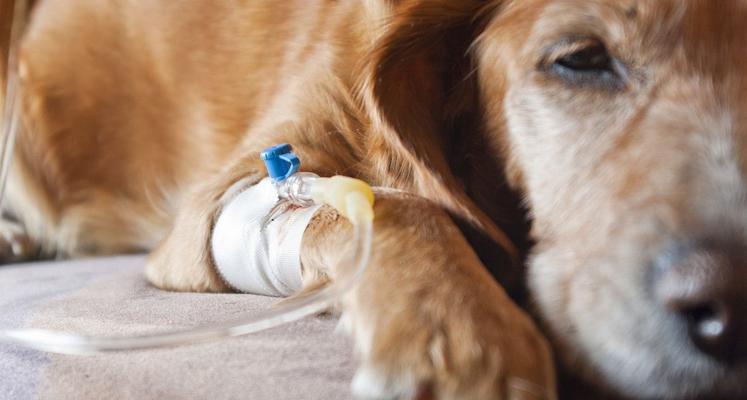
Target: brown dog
622,124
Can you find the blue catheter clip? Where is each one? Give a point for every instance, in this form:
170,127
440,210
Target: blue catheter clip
280,162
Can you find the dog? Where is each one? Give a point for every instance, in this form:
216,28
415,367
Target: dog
593,150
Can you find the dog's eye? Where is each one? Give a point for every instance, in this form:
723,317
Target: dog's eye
589,59
583,62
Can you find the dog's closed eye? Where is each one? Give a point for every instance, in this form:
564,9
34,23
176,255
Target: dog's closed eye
583,62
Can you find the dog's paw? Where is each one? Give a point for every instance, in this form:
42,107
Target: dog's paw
15,244
439,351
174,266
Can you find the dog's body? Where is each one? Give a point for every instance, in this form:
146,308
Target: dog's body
139,115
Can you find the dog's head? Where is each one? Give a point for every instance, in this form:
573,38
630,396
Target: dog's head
624,126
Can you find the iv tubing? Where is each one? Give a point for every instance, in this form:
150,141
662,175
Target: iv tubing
12,103
66,343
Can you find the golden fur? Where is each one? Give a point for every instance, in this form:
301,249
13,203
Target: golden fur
139,115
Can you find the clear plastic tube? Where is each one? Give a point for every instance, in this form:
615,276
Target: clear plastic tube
298,188
12,102
68,343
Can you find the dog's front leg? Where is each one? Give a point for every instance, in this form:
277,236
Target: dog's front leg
427,317
182,262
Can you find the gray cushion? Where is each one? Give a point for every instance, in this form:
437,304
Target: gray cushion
109,296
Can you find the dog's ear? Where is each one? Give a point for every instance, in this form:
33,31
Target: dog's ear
419,93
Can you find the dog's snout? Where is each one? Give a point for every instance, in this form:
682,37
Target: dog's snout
706,287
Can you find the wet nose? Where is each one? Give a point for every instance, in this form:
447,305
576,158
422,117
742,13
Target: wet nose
706,287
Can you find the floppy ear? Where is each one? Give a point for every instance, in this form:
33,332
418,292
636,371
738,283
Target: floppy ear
421,99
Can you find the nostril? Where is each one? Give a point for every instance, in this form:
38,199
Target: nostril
704,290
708,324
708,327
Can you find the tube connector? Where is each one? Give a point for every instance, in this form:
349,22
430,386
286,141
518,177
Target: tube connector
280,161
352,197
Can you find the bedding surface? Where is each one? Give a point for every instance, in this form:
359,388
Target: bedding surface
303,360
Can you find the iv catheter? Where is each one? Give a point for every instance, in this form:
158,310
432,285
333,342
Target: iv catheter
352,198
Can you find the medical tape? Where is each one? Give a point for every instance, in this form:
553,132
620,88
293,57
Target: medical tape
256,241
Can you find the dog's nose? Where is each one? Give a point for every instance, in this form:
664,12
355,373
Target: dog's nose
706,286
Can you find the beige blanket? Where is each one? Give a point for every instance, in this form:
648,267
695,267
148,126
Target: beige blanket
303,360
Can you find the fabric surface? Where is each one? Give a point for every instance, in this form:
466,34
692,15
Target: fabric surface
302,360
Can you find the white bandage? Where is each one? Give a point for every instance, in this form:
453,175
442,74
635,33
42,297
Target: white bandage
256,240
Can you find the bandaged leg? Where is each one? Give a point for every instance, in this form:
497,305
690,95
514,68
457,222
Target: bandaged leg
256,240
